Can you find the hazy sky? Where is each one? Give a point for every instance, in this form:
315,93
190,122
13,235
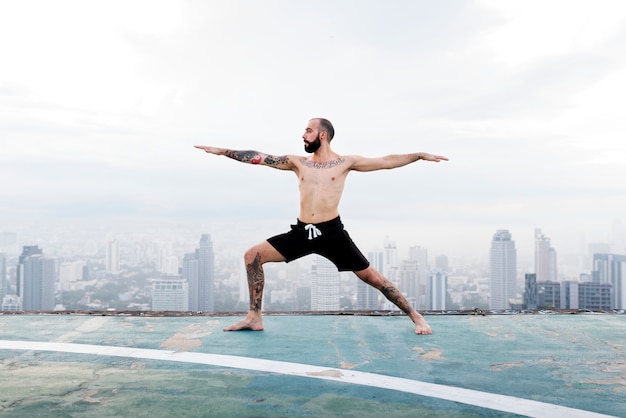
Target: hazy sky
102,101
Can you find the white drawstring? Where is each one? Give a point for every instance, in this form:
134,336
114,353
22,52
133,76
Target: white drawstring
313,231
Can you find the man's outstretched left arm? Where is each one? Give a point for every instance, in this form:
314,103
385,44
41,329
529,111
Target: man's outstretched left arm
393,161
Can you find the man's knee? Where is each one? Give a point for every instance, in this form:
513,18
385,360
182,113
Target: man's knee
262,253
253,255
372,277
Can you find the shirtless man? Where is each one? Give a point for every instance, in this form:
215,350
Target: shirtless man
319,230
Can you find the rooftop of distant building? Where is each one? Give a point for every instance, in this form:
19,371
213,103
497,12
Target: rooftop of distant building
478,364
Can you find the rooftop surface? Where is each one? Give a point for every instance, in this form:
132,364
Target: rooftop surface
312,366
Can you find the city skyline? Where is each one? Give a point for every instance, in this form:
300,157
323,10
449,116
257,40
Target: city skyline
109,264
523,97
572,259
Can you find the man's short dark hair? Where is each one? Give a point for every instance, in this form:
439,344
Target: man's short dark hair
327,127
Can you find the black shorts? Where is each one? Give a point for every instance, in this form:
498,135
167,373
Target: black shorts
327,239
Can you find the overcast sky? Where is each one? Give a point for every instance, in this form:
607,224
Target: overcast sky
101,103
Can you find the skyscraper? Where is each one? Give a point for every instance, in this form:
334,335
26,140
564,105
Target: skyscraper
27,251
422,295
199,271
3,275
408,283
530,291
441,263
611,268
112,261
324,285
206,273
503,269
37,279
390,259
190,273
438,284
366,295
545,258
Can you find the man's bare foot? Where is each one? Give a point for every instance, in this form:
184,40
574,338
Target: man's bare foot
250,323
421,326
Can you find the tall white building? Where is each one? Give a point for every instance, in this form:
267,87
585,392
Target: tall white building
170,293
503,270
324,285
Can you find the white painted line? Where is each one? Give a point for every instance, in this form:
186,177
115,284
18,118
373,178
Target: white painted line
493,401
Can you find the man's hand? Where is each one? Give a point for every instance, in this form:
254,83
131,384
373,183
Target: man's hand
211,150
431,157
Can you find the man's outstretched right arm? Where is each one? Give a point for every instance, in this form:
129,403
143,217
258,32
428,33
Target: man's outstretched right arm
282,162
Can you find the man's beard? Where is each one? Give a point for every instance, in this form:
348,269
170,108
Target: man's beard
313,146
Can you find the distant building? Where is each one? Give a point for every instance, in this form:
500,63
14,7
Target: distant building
595,248
441,263
71,273
530,291
37,277
422,293
170,293
27,251
366,295
112,257
438,290
324,285
11,303
549,295
390,259
545,258
503,270
574,295
595,296
3,275
199,271
611,268
190,274
408,283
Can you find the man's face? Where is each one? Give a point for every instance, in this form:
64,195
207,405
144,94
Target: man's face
312,146
311,137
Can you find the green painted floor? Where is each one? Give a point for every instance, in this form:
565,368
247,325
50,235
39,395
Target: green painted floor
575,361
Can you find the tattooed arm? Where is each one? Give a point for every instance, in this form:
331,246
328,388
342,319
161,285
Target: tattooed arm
282,162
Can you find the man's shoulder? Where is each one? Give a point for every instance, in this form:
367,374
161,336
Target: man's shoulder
296,159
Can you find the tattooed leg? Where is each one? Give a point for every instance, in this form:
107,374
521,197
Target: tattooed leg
256,282
254,259
396,297
372,277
